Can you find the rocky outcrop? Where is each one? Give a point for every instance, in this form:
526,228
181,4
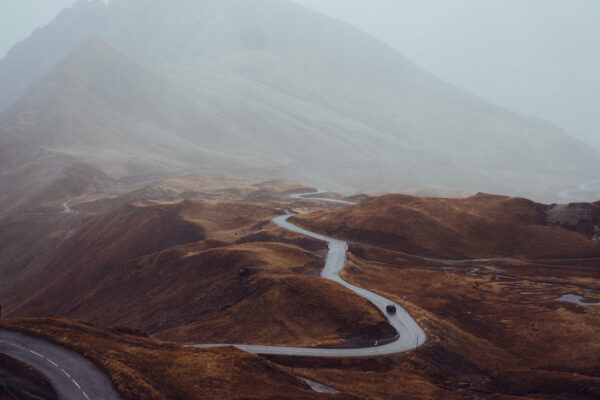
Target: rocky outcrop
579,217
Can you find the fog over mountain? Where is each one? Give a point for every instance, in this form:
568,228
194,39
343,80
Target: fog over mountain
266,88
531,56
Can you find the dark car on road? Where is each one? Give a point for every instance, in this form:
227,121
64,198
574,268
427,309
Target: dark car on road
391,309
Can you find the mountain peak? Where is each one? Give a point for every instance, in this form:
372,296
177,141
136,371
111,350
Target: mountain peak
161,31
274,86
95,67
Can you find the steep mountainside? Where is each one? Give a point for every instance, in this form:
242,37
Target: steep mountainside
158,31
256,88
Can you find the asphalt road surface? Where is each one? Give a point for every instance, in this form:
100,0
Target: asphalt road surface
66,208
72,376
584,190
410,334
318,192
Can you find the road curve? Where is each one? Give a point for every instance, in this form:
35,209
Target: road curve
72,376
299,196
66,208
410,334
568,194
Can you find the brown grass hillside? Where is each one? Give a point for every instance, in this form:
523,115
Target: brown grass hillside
494,328
190,271
474,227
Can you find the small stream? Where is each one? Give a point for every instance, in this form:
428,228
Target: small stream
575,299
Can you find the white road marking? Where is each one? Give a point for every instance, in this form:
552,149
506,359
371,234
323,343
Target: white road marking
51,362
37,354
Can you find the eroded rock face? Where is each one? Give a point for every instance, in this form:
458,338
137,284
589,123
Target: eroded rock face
579,217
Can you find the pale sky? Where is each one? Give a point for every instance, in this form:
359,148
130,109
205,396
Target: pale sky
18,18
536,57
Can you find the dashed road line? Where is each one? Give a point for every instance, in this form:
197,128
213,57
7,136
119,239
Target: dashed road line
37,354
52,362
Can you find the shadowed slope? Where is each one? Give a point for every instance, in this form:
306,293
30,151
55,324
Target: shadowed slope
19,381
98,248
169,270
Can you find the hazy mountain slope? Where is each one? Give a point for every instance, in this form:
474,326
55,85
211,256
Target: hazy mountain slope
103,109
264,88
407,136
157,31
102,115
102,104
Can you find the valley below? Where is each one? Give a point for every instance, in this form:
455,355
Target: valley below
505,290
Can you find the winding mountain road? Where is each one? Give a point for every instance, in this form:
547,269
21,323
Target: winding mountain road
66,208
410,334
299,196
72,376
584,187
76,378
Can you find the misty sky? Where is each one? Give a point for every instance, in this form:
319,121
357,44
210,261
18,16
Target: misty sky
537,57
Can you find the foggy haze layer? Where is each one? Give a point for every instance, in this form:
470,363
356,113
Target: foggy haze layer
19,18
536,57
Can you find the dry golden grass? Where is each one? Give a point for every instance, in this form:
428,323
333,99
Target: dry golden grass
176,271
516,344
475,227
226,275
